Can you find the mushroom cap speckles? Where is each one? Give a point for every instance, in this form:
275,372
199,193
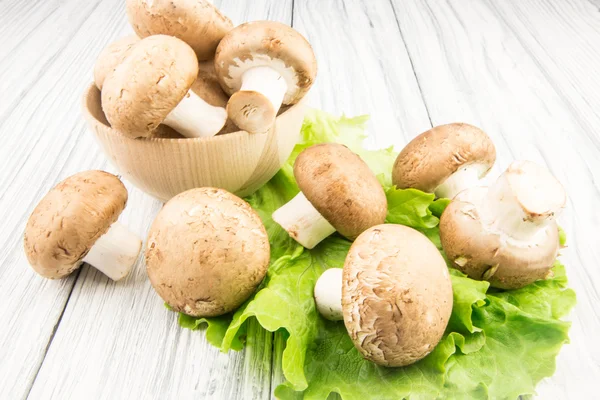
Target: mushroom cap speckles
485,255
197,22
340,185
396,295
430,158
111,56
69,219
149,83
207,252
262,43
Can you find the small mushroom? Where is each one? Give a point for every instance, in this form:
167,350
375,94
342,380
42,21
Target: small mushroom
111,56
445,160
207,252
328,294
76,222
396,295
506,234
152,87
197,22
338,192
261,65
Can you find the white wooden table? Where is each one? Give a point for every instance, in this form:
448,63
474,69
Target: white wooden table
527,72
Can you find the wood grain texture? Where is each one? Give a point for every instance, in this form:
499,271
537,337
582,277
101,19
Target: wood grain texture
525,71
473,66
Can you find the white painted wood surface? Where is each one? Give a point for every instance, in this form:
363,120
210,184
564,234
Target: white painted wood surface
526,71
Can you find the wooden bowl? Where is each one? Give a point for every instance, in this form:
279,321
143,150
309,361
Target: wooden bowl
164,167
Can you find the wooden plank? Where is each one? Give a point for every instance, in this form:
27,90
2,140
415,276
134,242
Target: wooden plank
473,66
40,146
116,340
363,69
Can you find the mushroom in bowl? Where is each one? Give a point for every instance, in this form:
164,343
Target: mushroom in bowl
445,160
338,193
506,234
207,252
76,222
262,65
151,86
111,56
197,22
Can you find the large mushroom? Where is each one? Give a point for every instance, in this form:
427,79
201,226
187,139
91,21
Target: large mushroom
152,87
506,234
111,56
76,222
395,296
338,193
261,65
197,22
445,160
207,252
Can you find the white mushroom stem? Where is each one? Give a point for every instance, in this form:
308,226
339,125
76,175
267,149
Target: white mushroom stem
195,118
266,81
328,294
523,201
115,252
466,177
303,222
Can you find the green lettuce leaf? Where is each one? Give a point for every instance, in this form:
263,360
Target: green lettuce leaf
498,344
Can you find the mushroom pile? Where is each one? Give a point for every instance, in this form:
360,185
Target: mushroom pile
394,292
208,251
188,68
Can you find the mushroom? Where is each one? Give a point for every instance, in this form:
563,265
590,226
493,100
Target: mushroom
76,222
506,234
197,22
445,160
261,65
396,295
328,294
338,192
207,252
152,86
111,56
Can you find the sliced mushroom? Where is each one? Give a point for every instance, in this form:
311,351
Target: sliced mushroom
111,56
396,295
197,22
207,252
152,86
77,222
506,234
261,65
445,160
338,192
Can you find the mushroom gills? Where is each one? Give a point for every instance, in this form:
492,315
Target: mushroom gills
255,106
328,294
523,202
115,252
195,118
468,176
303,222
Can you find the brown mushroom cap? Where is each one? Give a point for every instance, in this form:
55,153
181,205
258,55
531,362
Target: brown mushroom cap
69,219
207,252
430,158
197,22
111,56
486,255
149,83
263,42
396,295
340,185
